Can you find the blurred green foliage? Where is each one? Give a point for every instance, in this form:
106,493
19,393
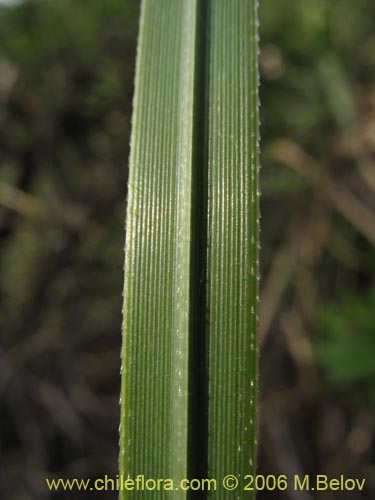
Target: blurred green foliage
314,54
348,350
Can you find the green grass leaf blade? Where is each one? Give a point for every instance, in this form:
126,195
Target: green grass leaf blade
190,295
156,295
233,239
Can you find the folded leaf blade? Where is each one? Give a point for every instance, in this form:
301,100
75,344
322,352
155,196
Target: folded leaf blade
191,268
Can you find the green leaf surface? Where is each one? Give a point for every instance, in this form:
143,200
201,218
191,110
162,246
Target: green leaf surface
191,268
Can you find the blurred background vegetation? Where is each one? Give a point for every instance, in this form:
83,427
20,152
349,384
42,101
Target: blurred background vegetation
66,84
